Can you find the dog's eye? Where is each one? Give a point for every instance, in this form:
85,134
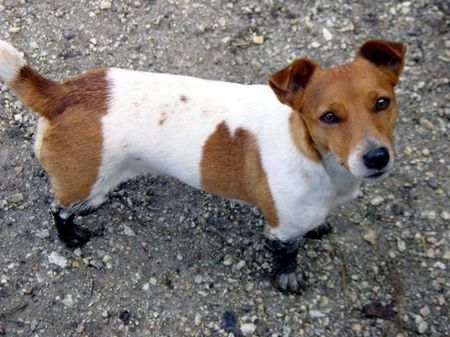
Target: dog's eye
382,103
329,118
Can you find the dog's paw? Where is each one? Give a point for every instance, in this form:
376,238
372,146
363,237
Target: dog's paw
292,282
71,234
78,238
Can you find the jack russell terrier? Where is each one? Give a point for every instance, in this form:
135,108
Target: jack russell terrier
296,148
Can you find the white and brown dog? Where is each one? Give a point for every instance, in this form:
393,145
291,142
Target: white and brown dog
296,148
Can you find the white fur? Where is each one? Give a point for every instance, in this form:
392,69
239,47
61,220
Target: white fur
10,61
135,142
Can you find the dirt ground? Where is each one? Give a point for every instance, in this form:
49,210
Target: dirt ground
168,260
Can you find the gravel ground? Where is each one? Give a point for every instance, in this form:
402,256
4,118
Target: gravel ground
172,261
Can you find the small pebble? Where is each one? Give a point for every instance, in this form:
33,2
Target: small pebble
229,321
431,215
240,265
68,300
249,287
425,311
326,34
197,319
421,324
80,328
425,152
356,327
401,245
316,314
440,265
14,30
377,201
128,231
57,259
258,39
228,261
425,123
68,34
422,327
15,198
371,236
248,329
446,255
105,5
445,215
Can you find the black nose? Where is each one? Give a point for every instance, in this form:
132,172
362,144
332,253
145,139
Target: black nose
376,158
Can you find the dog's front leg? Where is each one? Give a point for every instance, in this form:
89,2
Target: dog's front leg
70,233
287,276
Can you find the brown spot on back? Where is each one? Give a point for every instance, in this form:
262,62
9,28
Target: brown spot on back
231,167
72,140
183,98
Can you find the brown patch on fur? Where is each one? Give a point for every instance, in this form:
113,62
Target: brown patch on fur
70,144
231,167
183,98
302,138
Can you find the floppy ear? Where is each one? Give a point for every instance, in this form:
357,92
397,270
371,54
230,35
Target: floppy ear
292,80
385,54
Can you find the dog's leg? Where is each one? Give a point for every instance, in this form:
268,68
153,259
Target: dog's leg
71,234
287,277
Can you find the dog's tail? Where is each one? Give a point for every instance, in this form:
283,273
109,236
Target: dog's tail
35,91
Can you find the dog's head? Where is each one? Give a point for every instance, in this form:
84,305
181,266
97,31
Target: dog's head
348,111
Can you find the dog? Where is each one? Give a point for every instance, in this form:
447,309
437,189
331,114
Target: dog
296,148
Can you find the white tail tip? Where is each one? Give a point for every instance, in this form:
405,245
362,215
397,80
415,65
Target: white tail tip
10,61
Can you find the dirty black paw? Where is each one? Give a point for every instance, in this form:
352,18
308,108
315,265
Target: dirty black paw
77,238
70,234
319,232
291,282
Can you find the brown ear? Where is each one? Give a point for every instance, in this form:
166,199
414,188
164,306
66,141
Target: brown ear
292,80
385,54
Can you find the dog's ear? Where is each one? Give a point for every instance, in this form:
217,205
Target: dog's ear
291,81
385,54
